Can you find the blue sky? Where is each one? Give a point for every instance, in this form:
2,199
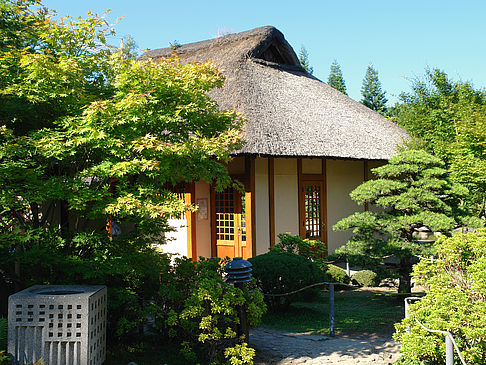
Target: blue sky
400,38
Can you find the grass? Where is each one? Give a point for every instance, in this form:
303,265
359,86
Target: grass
355,311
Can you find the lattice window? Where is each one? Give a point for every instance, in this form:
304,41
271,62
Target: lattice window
225,217
312,209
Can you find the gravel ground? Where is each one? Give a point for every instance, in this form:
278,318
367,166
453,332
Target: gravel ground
282,348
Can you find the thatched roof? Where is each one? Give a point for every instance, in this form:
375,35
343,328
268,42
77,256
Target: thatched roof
288,111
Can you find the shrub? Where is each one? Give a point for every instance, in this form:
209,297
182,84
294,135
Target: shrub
190,300
127,266
285,272
4,358
365,278
337,274
3,333
314,250
455,302
198,309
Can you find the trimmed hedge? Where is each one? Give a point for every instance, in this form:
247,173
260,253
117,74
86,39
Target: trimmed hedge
284,272
337,274
365,278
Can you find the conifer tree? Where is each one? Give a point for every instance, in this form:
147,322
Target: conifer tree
336,79
373,97
413,190
304,60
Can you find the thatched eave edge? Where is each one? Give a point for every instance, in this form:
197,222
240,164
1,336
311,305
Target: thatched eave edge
254,155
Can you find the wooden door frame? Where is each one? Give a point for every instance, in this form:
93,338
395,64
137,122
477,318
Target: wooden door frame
304,178
190,198
248,183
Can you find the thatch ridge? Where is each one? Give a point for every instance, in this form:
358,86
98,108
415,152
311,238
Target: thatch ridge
289,112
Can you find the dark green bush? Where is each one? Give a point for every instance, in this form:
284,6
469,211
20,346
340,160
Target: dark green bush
314,250
192,303
285,272
127,266
3,333
4,358
337,274
365,278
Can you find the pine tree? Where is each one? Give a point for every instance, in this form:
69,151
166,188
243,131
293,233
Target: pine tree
336,79
373,97
304,60
413,190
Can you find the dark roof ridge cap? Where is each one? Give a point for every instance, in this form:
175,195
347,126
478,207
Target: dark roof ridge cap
280,66
269,36
276,38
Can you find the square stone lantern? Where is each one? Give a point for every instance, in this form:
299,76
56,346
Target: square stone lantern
61,324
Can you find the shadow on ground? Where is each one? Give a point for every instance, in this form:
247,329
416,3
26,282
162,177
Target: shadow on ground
278,347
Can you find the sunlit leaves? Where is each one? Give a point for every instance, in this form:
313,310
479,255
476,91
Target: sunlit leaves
412,191
455,301
105,133
449,118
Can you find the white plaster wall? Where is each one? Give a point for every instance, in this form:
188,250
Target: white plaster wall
286,196
342,178
176,240
262,220
203,226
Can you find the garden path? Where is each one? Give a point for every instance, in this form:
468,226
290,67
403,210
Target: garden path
283,348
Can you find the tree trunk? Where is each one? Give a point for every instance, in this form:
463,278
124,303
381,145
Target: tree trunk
405,281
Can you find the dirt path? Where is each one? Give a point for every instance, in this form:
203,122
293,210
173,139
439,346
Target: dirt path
282,348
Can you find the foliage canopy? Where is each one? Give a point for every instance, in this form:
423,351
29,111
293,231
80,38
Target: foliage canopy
448,118
412,191
109,132
88,136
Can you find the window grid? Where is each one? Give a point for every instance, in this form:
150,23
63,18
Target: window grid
225,217
312,208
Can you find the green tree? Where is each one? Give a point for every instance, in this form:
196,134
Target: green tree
304,60
18,21
336,79
373,97
454,302
412,191
448,119
129,48
89,136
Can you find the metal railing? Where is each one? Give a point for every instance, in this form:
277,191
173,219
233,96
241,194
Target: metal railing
450,343
331,300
